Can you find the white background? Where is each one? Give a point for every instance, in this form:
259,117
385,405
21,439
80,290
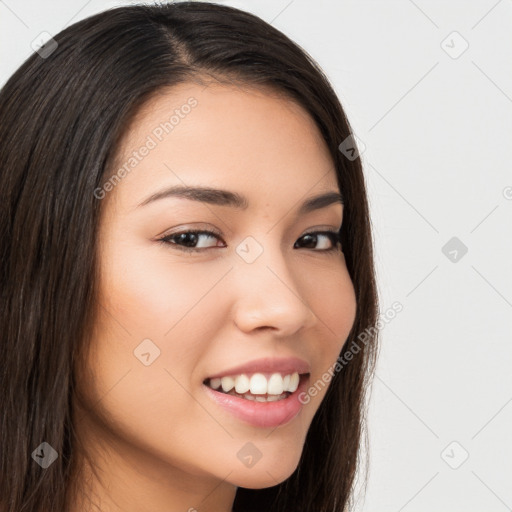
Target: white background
437,129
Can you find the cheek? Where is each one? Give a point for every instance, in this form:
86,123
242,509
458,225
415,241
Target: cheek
333,301
331,296
155,320
154,302
153,292
152,312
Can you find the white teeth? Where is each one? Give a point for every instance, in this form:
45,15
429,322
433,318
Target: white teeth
215,383
257,384
294,382
242,384
228,383
275,384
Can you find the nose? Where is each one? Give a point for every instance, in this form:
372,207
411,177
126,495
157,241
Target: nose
269,296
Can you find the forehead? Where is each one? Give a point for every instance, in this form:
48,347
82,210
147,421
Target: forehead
250,140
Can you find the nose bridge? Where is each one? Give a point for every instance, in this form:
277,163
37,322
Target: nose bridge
267,292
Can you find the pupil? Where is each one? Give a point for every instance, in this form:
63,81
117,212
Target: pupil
311,239
183,237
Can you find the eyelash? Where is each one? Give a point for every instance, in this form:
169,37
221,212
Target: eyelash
334,236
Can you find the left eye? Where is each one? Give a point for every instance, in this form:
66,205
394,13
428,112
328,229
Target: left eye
191,237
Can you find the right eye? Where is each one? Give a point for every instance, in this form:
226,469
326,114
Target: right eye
188,237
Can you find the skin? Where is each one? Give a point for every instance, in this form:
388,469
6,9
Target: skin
159,443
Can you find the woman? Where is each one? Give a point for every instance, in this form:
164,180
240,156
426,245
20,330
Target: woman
186,268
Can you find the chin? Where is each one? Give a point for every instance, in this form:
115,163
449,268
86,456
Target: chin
262,475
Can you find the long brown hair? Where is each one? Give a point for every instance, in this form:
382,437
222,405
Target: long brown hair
62,116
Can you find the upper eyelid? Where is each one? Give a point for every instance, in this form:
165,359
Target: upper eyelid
207,229
210,233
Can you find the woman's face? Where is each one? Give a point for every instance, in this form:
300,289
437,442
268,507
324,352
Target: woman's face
258,292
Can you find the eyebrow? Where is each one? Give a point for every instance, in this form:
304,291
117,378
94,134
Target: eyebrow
221,197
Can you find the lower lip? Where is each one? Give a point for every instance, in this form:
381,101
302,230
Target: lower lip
262,414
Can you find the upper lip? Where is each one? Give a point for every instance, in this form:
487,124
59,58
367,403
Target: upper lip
285,366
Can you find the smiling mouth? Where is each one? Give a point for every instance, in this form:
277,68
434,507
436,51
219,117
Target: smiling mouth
258,387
